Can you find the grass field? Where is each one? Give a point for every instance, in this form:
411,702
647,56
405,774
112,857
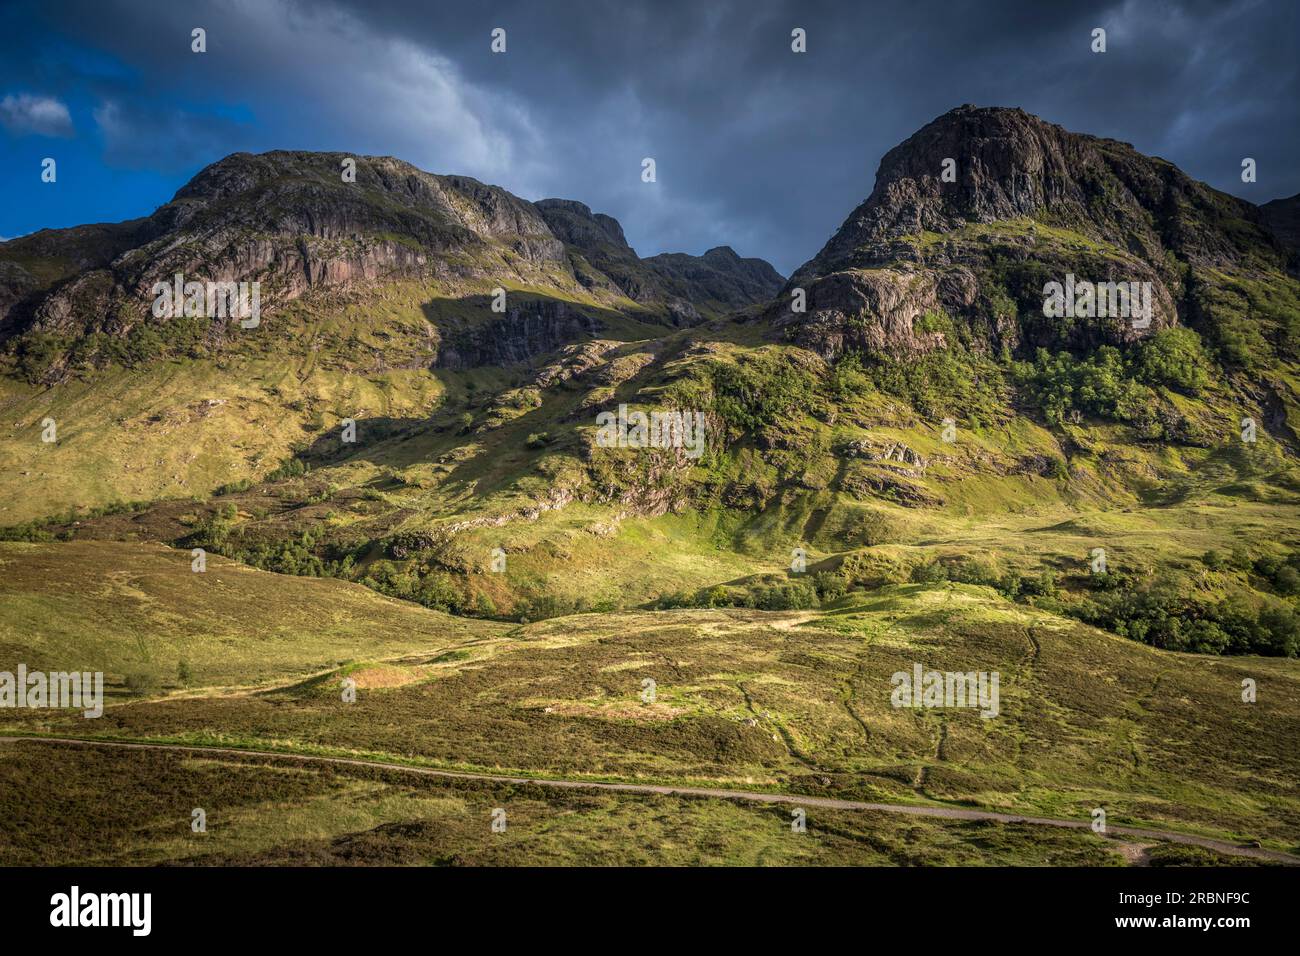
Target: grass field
260,813
790,701
139,609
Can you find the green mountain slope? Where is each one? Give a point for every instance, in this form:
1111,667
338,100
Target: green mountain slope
906,457
921,388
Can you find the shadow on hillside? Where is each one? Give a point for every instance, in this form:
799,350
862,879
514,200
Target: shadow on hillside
532,325
489,461
527,337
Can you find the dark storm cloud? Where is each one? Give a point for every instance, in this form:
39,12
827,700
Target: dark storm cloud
756,147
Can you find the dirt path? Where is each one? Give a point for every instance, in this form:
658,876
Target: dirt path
946,813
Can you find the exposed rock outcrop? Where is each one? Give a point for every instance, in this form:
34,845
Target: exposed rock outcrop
292,222
1283,218
717,282
1025,203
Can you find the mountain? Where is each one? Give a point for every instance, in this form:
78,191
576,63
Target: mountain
1283,217
924,381
928,465
718,281
290,221
1029,202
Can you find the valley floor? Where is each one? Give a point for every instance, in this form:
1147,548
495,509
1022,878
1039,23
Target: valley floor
787,706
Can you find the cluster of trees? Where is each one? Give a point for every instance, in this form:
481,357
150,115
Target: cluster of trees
1160,614
301,555
432,589
538,607
1109,384
42,529
760,392
1096,385
406,580
443,592
1282,574
827,587
35,352
939,382
294,556
289,468
1156,611
792,596
1011,584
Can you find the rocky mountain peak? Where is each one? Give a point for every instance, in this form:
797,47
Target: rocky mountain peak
1283,217
718,281
982,165
576,224
299,221
982,205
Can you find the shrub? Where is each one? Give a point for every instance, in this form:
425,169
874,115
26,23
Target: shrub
934,322
1287,580
761,391
1282,573
943,381
976,571
931,573
847,378
1042,585
830,586
142,683
1174,357
437,591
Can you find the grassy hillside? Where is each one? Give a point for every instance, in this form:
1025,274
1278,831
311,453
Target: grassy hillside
793,701
849,462
182,420
138,610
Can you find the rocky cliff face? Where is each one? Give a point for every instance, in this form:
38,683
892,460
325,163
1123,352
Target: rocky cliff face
720,279
1024,202
531,328
717,282
599,255
290,221
1283,218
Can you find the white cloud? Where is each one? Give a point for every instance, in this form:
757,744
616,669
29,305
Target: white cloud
328,80
42,115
